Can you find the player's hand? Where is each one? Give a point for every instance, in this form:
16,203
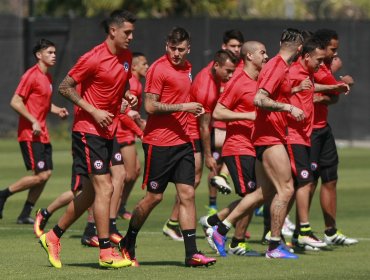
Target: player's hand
131,98
343,88
36,128
305,84
63,113
102,117
347,79
193,107
211,164
297,113
133,114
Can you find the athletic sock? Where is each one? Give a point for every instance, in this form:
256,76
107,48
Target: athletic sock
189,241
213,201
27,208
45,213
213,220
331,231
112,225
5,193
225,176
104,243
274,243
90,229
224,227
171,223
235,242
129,241
304,229
58,231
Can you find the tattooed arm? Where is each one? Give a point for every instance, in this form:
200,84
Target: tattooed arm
263,101
67,88
154,106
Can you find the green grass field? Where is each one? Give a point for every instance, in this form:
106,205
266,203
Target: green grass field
21,257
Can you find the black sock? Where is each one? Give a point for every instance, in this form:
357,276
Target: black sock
90,229
58,231
122,208
235,242
223,229
112,226
45,213
129,241
189,241
273,244
305,229
213,220
104,243
331,231
5,193
27,208
212,200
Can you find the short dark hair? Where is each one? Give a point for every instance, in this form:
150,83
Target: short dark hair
118,17
291,35
137,54
232,34
178,35
222,55
311,44
42,44
325,35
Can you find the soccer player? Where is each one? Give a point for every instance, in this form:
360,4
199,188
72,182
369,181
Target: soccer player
324,155
298,141
127,133
169,155
103,75
32,101
236,107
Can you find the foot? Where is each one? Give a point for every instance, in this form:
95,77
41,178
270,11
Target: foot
115,237
52,249
219,241
243,249
221,184
339,239
173,231
311,240
126,255
109,258
198,259
2,203
40,223
280,253
25,221
203,222
209,233
90,241
289,224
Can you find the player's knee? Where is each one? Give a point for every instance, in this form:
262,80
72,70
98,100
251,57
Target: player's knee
43,176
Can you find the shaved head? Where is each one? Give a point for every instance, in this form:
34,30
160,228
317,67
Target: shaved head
250,47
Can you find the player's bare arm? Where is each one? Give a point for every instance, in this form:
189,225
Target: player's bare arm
61,112
67,88
154,106
222,113
325,99
18,105
263,101
341,87
304,85
205,136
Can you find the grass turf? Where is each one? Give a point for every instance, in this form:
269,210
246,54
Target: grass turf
21,257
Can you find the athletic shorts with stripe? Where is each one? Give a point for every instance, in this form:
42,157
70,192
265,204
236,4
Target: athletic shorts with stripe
197,145
164,164
242,172
37,156
91,153
116,158
324,155
299,156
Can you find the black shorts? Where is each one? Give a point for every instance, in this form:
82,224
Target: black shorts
197,145
241,170
76,180
259,151
116,158
127,143
166,164
91,153
300,162
37,156
324,155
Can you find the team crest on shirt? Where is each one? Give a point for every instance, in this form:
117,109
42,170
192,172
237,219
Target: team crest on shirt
154,185
190,77
216,155
252,185
313,166
126,66
41,164
304,174
118,156
98,164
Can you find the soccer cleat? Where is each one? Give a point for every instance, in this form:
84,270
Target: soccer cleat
258,211
289,224
126,215
204,223
126,256
243,249
90,241
280,253
115,237
40,223
219,241
198,259
173,231
286,231
220,184
25,221
339,239
109,258
311,240
209,233
52,249
305,247
212,209
2,202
